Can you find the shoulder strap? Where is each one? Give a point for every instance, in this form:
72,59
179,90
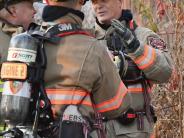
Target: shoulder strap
66,29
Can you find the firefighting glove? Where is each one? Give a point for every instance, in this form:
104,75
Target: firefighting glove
128,40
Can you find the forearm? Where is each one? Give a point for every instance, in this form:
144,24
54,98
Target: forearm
155,64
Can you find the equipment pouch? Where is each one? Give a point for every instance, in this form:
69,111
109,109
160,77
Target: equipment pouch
71,129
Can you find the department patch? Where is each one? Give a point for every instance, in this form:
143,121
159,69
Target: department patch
156,42
15,86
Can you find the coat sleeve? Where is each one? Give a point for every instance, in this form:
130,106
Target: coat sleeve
152,56
109,93
4,45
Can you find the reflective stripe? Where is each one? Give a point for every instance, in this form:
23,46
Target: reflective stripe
113,103
147,58
136,88
73,97
1,127
1,86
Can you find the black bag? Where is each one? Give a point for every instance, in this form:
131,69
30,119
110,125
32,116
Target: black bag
71,129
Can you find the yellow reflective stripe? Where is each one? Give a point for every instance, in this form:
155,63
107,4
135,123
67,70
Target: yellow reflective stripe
1,127
1,82
1,86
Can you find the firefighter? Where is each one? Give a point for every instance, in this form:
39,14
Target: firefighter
145,61
81,79
12,13
17,12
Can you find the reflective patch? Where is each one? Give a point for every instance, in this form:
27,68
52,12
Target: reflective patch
156,42
21,54
17,88
1,127
11,70
1,86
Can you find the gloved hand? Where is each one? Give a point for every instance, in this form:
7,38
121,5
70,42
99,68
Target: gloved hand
129,41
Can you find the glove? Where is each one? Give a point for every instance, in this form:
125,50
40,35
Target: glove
129,41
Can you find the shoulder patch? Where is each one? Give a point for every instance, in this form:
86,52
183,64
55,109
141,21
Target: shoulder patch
156,42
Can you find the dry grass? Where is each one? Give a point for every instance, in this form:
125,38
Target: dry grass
168,98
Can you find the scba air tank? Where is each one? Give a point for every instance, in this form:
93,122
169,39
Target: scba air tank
17,90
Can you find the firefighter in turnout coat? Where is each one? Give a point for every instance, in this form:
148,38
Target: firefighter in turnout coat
81,79
145,61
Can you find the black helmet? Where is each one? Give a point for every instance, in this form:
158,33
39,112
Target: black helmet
5,3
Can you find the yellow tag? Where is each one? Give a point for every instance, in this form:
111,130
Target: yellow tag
11,70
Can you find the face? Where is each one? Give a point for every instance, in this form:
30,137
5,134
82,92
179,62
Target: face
106,10
20,14
24,14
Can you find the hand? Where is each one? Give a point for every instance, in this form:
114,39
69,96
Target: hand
129,41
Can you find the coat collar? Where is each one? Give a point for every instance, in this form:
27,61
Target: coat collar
59,14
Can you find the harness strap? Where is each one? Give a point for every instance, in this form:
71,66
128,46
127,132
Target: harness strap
65,29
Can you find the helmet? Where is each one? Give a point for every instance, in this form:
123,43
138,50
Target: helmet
5,3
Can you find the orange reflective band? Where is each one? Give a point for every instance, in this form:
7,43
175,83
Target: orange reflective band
147,59
142,57
150,62
115,106
135,90
115,102
61,96
67,92
74,102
